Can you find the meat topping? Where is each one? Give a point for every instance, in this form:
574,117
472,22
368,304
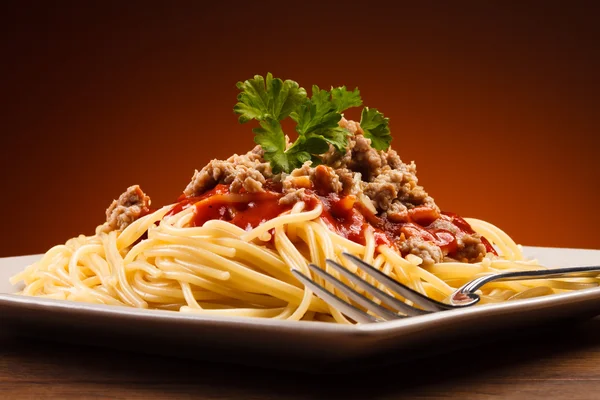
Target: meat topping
130,205
428,252
248,171
378,179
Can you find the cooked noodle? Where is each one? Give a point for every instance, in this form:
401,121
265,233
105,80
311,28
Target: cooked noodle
219,268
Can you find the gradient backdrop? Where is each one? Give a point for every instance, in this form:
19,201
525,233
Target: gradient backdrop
497,103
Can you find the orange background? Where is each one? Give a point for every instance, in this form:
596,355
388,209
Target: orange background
498,104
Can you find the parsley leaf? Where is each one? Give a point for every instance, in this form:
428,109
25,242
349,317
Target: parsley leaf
270,100
274,98
321,114
344,99
338,137
375,127
271,138
317,113
315,145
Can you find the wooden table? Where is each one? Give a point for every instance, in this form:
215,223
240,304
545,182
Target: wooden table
553,362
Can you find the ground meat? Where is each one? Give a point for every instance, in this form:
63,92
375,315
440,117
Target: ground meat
248,171
208,177
299,178
323,179
470,247
360,156
326,181
410,192
397,212
399,186
346,178
377,178
429,252
445,225
386,179
366,159
304,170
293,196
249,179
130,206
392,159
382,192
352,126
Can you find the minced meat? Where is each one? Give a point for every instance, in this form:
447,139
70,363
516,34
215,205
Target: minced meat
470,247
427,251
130,205
249,171
376,177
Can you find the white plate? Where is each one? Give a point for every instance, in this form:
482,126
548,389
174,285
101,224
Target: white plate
288,344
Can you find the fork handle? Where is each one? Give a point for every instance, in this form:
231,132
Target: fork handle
571,272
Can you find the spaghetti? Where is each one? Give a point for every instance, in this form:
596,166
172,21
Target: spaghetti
160,261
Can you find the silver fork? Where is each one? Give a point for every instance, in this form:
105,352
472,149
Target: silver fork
464,296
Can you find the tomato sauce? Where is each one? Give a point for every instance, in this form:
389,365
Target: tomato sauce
246,210
343,215
464,226
349,219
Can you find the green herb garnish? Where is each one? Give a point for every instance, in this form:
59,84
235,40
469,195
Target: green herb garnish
375,126
271,100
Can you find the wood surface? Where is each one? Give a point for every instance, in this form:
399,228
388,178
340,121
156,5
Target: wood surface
548,363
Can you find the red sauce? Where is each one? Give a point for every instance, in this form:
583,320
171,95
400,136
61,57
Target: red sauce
350,219
464,226
246,210
343,215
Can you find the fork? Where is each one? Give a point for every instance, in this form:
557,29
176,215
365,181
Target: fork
464,296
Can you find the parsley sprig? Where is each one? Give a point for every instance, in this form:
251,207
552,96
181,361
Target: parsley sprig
271,100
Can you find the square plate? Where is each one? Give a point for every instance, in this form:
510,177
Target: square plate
288,344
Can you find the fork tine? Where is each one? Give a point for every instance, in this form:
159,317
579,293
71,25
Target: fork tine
355,313
375,308
416,297
376,292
